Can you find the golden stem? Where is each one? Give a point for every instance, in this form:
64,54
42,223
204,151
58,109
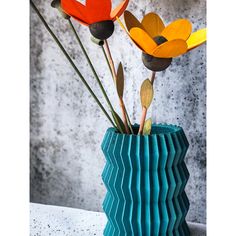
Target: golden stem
122,105
143,118
144,111
110,60
153,77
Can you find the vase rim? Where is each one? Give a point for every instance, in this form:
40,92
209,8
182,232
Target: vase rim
157,129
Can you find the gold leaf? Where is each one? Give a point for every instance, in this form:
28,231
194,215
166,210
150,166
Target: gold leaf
147,127
120,81
146,93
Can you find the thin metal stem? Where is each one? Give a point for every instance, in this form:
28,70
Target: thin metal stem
142,122
110,60
71,62
153,77
91,66
122,106
129,122
105,55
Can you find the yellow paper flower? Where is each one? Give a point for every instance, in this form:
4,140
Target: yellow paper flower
159,43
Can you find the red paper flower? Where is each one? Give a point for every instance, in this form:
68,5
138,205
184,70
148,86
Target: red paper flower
97,14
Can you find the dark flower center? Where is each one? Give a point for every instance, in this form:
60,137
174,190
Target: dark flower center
155,63
102,30
160,40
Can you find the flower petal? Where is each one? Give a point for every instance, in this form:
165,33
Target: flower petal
75,9
179,29
169,49
153,24
118,11
131,21
123,27
197,38
98,10
146,43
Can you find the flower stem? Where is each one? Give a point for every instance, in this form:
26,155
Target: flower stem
144,111
143,118
153,77
91,66
110,60
122,105
105,55
71,61
129,122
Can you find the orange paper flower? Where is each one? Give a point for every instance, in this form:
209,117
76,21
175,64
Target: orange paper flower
97,14
160,42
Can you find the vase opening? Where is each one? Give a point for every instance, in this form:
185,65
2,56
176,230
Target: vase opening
156,129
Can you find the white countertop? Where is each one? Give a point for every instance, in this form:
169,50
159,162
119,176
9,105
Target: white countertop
48,220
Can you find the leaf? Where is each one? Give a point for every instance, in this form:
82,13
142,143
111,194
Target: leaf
147,127
119,122
120,81
146,93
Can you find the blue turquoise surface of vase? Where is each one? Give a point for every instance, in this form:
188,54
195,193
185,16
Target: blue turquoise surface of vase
145,177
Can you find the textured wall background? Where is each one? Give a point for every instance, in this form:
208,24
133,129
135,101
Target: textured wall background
67,127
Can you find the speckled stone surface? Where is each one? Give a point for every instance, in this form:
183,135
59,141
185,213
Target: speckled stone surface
62,221
67,127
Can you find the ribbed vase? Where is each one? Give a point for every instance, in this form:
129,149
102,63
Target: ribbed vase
145,177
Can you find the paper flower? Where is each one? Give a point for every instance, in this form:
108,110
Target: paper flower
159,43
97,14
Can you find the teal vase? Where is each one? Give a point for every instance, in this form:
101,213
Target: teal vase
145,177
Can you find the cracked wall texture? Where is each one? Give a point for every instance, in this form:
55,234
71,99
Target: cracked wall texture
67,127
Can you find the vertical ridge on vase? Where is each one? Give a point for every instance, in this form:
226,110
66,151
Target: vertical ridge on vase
132,184
126,183
104,149
107,169
118,183
178,180
154,182
185,229
184,196
181,147
146,203
171,183
110,228
185,199
138,186
133,189
141,187
112,207
105,173
185,176
164,185
115,204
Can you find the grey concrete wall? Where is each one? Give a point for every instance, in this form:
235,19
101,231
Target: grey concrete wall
67,127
